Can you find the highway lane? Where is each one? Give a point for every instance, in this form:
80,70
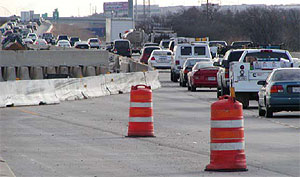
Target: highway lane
87,138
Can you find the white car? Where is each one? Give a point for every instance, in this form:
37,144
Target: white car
63,43
94,43
28,41
32,36
160,59
41,42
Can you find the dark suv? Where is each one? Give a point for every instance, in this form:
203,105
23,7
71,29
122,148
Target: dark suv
122,47
49,38
223,73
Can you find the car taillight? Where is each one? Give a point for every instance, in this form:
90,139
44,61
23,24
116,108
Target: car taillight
152,58
177,62
186,71
276,89
226,73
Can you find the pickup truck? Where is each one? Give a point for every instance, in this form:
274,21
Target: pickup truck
255,65
184,51
223,73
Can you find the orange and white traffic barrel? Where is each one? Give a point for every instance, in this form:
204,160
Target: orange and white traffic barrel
141,112
227,146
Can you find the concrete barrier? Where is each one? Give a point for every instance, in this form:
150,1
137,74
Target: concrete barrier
122,82
23,73
9,73
52,91
152,79
1,77
63,70
89,71
50,70
36,73
21,93
76,72
101,70
54,58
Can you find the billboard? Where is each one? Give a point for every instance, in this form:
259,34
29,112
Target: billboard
115,6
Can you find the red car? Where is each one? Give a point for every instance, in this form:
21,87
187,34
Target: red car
147,52
203,74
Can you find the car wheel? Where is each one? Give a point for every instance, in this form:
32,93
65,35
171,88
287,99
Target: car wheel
218,92
172,77
261,112
243,98
269,112
193,88
180,83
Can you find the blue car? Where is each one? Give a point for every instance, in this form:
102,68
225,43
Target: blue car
280,92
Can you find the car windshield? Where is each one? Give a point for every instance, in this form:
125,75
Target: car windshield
94,40
165,44
122,44
148,50
236,44
267,56
162,53
63,37
235,56
287,75
47,35
199,50
186,50
192,62
201,65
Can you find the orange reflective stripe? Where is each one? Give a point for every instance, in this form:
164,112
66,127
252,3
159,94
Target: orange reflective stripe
140,112
141,98
227,134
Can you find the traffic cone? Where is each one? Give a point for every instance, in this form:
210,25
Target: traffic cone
227,136
141,112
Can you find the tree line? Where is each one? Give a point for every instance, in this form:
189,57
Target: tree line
263,25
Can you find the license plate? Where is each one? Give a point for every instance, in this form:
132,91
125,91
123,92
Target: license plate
242,78
211,78
296,89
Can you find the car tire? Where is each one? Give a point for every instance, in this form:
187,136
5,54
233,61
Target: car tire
261,112
183,83
218,92
193,88
172,77
243,98
269,112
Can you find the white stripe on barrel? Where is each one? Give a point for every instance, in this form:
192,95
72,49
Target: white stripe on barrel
141,105
140,119
227,146
227,123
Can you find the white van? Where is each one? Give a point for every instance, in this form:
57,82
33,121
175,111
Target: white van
184,51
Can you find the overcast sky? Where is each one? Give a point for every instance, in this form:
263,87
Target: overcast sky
82,7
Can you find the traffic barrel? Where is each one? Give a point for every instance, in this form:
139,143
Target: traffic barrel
227,146
141,112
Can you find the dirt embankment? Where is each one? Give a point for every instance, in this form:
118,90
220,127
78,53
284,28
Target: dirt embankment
79,30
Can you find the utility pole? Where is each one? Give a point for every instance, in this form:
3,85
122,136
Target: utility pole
149,8
207,9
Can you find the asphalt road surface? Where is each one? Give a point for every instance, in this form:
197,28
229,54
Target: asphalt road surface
87,138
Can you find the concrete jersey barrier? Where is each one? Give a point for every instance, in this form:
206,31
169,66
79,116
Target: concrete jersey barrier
52,91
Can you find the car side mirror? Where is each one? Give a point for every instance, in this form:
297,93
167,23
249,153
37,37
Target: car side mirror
216,64
261,83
